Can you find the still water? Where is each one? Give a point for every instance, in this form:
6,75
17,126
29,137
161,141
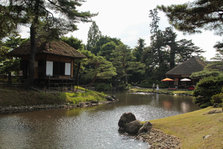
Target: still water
87,128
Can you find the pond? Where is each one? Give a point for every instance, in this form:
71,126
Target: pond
88,128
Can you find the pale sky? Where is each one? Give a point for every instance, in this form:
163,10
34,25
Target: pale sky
129,20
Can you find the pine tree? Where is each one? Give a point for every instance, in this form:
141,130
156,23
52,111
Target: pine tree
94,34
191,17
138,51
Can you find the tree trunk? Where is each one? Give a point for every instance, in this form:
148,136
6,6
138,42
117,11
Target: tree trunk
160,57
77,74
172,58
32,56
30,81
9,78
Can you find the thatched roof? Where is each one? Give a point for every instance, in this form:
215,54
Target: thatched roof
56,47
194,64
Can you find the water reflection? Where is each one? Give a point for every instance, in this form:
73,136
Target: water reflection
94,127
167,102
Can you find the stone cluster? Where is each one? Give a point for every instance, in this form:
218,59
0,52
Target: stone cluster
128,123
155,138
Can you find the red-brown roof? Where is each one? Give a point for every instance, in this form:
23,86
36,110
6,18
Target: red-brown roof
56,47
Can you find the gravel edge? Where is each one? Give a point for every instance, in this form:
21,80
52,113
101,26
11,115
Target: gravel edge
159,140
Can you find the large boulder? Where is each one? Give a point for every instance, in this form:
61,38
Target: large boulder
133,127
126,118
128,123
147,126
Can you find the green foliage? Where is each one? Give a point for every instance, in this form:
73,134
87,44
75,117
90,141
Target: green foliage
217,100
191,17
103,86
9,65
73,42
114,64
122,57
104,40
138,51
219,49
34,12
186,49
204,73
96,68
84,96
107,49
94,34
212,69
8,22
206,88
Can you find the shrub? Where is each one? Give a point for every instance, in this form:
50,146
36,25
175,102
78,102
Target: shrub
206,88
84,96
217,100
103,87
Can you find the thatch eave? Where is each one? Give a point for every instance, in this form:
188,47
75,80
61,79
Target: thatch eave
58,48
194,64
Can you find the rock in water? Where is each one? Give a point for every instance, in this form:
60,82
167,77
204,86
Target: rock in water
133,127
126,118
128,123
147,126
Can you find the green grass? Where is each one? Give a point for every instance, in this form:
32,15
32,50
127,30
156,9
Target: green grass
84,96
192,127
182,92
19,97
162,91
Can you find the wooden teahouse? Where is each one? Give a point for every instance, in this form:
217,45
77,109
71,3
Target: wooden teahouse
54,62
184,70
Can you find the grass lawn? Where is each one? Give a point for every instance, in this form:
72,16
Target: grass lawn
192,127
84,95
20,97
164,91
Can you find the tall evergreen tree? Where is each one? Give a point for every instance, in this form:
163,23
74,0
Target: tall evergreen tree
60,15
154,25
170,42
121,59
94,34
138,51
157,43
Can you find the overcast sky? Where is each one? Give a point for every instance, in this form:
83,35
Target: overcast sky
129,20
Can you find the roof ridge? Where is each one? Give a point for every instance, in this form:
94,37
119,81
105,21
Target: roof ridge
193,64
